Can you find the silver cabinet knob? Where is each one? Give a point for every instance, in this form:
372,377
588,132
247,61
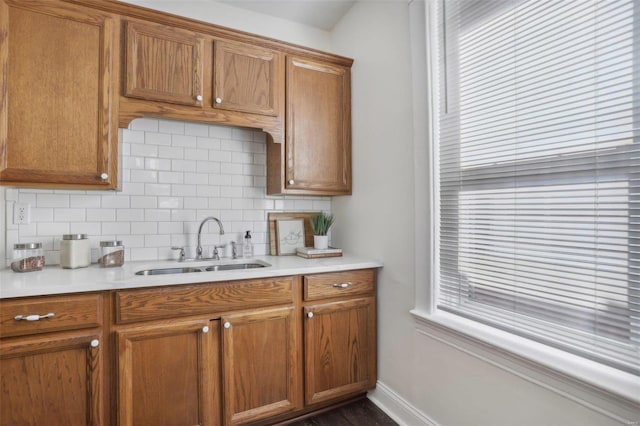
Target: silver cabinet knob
310,315
291,181
227,324
95,343
199,98
205,329
218,100
104,176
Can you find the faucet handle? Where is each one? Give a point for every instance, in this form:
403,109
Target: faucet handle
181,252
234,252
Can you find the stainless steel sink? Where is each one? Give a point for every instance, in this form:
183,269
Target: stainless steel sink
206,268
163,271
232,266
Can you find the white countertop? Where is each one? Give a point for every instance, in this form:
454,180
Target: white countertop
55,280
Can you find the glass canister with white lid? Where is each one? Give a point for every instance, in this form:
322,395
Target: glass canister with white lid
111,253
27,257
75,251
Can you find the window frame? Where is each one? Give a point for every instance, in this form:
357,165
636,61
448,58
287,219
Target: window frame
585,380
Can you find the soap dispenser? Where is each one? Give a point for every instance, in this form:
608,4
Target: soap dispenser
247,247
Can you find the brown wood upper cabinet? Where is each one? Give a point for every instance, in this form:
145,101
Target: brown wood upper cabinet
246,78
316,158
58,89
163,63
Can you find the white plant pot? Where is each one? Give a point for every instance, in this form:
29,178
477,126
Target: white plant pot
320,241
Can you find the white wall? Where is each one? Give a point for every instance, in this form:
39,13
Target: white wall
425,376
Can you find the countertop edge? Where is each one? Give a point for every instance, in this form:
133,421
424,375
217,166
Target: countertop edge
53,280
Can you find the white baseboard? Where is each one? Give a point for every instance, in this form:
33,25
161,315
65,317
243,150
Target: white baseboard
396,407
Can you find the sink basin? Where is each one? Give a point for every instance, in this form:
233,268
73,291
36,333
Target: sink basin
220,267
232,266
164,271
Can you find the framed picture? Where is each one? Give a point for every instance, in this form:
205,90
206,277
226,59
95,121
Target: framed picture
290,235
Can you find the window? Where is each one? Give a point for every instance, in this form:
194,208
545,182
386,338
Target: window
538,156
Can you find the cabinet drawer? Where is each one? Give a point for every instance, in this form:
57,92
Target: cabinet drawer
337,284
177,301
69,313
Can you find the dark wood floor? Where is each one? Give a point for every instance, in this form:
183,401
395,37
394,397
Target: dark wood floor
359,413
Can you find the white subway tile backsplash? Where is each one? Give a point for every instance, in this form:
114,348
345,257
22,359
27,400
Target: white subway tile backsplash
133,136
144,202
231,169
52,200
231,145
69,215
157,138
52,229
170,202
143,228
41,215
183,141
195,129
144,124
174,174
128,215
144,150
170,126
101,215
84,201
183,190
157,164
117,228
183,165
170,177
157,189
241,180
170,152
208,143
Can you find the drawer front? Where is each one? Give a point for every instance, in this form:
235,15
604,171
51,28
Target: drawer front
338,284
22,317
184,300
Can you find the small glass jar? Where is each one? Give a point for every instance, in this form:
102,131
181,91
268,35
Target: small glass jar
27,257
75,251
111,254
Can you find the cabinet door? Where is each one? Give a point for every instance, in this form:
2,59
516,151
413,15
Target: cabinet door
51,380
167,374
340,349
260,365
318,135
163,63
58,85
247,78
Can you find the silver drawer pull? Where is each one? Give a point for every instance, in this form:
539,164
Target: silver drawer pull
343,285
34,317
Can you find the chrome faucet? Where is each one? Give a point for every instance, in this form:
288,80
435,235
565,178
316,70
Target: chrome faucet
199,247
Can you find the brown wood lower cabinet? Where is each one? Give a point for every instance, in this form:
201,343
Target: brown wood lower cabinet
340,349
167,374
261,374
255,351
51,379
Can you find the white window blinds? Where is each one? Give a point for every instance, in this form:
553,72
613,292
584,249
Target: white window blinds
539,171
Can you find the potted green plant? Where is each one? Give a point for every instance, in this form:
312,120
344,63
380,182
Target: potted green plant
320,225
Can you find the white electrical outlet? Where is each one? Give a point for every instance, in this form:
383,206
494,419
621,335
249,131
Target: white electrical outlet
21,214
